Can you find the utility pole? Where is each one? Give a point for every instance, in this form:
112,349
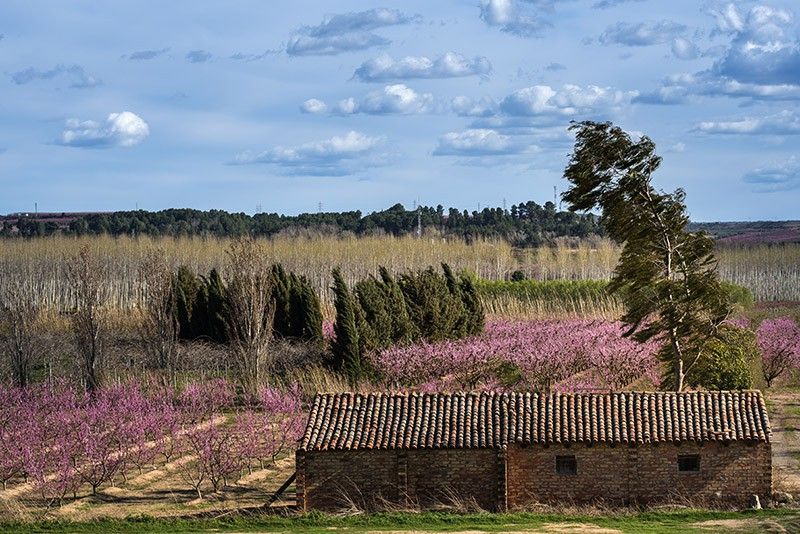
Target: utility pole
258,208
36,209
319,207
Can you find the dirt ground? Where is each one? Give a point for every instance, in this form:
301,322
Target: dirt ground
160,492
784,412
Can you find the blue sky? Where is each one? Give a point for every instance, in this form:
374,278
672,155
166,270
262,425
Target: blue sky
358,105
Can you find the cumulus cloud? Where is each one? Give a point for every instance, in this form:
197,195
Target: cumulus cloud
346,32
761,62
783,123
79,78
337,156
464,106
782,177
198,56
764,51
569,100
313,105
449,65
480,142
143,55
524,18
684,49
124,129
393,99
642,34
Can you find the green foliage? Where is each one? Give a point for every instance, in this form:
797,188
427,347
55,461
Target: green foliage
346,348
437,311
518,276
201,306
298,314
187,287
738,296
727,361
524,224
666,276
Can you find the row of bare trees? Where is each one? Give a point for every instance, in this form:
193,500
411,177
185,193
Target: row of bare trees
248,318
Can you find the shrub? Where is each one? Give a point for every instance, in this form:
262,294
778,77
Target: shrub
518,276
727,361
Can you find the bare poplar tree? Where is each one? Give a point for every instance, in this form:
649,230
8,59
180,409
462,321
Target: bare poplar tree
250,309
85,275
18,323
158,325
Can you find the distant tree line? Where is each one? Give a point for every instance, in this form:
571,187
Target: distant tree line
523,224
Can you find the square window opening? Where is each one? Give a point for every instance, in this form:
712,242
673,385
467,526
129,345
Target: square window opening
689,463
566,465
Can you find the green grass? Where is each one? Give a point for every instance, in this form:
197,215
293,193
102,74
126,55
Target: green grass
672,522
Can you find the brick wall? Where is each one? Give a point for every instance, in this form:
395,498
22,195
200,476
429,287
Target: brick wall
328,480
520,476
643,474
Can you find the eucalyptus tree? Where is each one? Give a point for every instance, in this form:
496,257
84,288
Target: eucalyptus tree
666,276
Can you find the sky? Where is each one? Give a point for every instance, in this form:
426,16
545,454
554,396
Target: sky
293,107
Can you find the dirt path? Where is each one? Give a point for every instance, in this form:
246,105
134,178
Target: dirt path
784,412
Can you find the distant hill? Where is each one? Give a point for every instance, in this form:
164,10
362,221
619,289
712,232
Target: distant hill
745,233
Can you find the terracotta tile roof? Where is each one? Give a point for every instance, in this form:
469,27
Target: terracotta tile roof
491,420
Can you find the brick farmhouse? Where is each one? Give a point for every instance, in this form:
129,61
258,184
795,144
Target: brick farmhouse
510,450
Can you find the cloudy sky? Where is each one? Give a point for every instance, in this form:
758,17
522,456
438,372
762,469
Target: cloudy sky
359,105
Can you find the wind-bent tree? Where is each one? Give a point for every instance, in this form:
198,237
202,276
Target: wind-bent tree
158,327
666,276
250,309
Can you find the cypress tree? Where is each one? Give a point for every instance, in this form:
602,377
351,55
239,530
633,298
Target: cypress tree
473,306
346,348
215,307
282,295
403,328
310,313
187,286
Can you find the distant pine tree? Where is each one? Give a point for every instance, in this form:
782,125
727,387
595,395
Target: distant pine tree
187,287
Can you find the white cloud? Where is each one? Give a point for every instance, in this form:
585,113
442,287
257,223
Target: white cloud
783,177
524,18
642,34
123,129
783,123
569,100
449,65
393,99
468,107
684,49
339,155
313,105
479,142
346,32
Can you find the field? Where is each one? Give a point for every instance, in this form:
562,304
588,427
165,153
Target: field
554,328
771,272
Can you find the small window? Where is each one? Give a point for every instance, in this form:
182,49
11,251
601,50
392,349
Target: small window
566,465
689,463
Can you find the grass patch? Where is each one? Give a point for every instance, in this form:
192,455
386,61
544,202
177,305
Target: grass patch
651,522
